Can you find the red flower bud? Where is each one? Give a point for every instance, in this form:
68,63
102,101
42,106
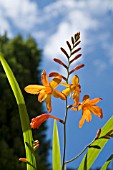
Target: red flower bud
60,62
54,74
75,58
69,46
23,160
75,51
36,122
76,68
64,51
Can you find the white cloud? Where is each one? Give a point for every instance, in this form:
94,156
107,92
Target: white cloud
83,16
25,14
57,40
74,20
39,35
108,47
21,13
62,7
72,16
52,47
5,26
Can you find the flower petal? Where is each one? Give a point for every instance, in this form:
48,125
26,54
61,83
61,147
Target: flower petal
75,80
58,94
76,95
94,101
48,90
42,96
87,114
65,84
37,121
67,91
74,108
34,89
79,107
86,97
81,122
45,81
54,74
54,83
96,110
48,103
76,98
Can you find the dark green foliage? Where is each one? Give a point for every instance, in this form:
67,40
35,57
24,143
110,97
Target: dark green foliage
24,58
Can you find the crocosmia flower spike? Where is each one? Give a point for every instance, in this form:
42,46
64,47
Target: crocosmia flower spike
88,106
73,88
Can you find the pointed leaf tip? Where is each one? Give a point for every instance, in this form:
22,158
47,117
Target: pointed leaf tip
56,159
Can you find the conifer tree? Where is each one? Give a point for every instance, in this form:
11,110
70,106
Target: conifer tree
24,58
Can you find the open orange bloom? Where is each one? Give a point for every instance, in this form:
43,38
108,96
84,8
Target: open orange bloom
46,90
73,88
37,121
89,106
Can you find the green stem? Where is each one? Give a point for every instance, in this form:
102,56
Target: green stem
64,152
66,114
87,146
65,117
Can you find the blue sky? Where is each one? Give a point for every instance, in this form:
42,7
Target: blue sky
51,23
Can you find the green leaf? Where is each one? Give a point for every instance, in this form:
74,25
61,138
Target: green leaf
27,133
56,148
100,142
106,164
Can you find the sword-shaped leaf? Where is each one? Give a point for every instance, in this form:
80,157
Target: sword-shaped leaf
93,153
27,133
56,148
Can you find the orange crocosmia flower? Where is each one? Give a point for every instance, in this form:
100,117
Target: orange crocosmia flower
73,88
45,91
36,122
88,106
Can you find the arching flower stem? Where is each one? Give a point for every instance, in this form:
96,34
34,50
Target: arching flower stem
66,113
